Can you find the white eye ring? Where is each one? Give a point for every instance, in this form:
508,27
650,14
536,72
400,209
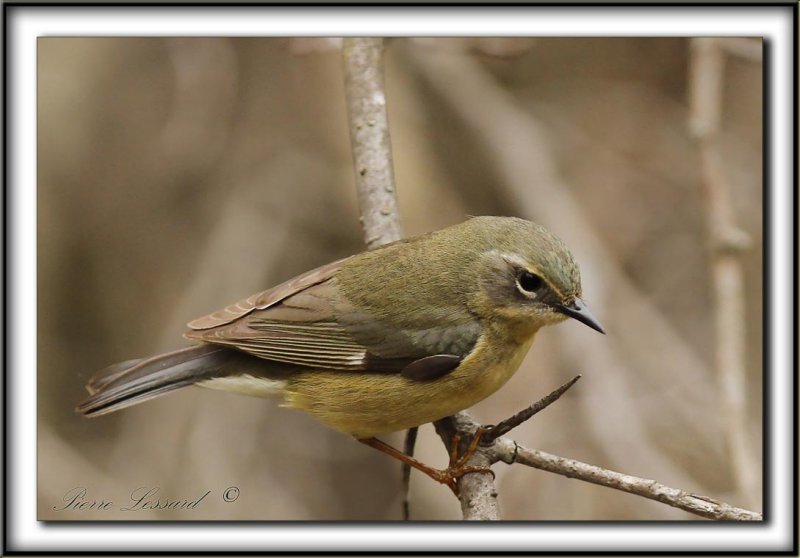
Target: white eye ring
529,283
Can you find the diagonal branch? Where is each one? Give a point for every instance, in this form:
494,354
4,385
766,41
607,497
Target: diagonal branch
510,452
675,497
504,427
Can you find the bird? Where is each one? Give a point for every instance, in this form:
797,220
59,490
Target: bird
381,341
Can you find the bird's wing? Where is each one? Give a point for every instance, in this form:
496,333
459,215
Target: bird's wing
265,299
307,322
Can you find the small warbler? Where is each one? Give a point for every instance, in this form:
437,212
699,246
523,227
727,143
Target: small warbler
388,339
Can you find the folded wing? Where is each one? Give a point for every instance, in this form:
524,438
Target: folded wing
306,322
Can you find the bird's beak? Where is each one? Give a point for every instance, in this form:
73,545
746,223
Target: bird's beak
577,309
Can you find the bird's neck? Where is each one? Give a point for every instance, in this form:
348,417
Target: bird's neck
517,332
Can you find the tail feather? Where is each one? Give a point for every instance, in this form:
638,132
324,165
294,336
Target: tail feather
110,374
134,381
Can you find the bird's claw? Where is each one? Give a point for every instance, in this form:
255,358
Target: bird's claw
458,467
451,475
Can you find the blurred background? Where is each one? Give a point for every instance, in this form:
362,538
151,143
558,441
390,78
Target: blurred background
179,175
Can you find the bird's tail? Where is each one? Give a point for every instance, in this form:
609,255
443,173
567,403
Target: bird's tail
138,380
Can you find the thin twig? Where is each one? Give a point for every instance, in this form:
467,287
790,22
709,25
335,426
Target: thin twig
504,427
728,241
408,449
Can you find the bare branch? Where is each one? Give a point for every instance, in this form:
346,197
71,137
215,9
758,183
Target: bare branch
476,491
369,136
692,503
510,452
380,218
727,244
372,156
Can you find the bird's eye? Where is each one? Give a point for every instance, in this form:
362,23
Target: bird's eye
528,282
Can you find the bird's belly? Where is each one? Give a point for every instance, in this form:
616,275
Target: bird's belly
366,405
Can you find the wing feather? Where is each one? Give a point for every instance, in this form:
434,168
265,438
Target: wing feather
265,299
306,321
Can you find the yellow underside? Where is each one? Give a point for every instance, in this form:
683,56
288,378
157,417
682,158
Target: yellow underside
366,405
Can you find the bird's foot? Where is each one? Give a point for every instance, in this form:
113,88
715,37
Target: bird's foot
456,468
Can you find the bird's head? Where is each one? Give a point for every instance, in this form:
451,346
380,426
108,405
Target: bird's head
526,275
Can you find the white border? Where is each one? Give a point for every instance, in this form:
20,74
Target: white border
26,24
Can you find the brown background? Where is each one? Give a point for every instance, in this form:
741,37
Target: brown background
179,175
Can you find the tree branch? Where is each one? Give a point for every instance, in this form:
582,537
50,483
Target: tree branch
476,491
727,242
380,218
692,503
510,452
369,137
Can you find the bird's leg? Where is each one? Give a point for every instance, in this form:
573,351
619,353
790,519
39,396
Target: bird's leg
379,445
456,468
